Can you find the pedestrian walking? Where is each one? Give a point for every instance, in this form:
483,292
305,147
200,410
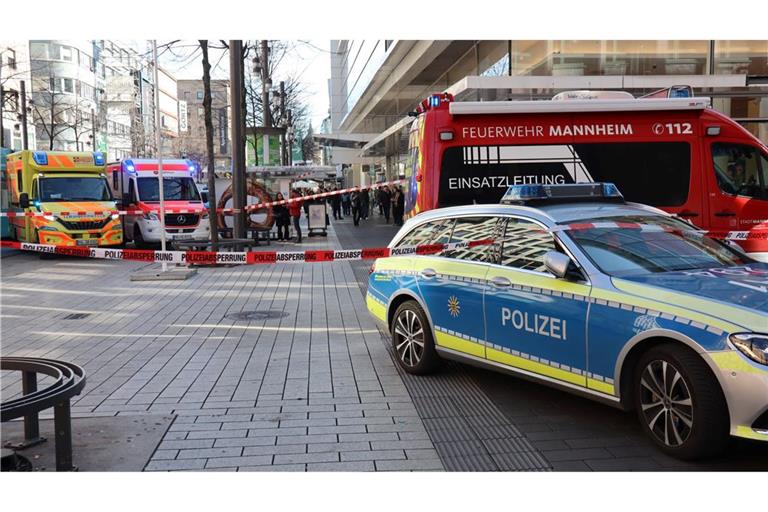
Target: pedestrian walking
386,203
365,204
398,203
294,209
355,205
346,205
379,200
282,218
336,206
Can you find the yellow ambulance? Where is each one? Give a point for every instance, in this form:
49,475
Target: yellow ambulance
65,198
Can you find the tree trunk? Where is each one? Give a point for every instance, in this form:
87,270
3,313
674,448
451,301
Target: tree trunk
209,146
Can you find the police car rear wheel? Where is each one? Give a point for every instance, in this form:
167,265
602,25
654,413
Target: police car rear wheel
679,403
412,339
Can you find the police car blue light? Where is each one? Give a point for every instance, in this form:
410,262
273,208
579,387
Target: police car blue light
574,288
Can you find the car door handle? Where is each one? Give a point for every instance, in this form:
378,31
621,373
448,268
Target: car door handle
687,214
725,213
428,272
500,281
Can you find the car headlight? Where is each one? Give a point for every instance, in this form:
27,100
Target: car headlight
115,216
151,216
754,346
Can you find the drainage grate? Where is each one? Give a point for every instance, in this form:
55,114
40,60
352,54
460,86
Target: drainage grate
76,316
260,314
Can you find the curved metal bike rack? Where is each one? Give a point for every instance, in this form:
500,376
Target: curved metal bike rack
69,380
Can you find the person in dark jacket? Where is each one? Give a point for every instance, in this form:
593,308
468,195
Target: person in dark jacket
282,218
355,202
386,203
294,209
346,205
398,205
336,206
365,204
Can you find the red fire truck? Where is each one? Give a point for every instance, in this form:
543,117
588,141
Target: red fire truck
675,153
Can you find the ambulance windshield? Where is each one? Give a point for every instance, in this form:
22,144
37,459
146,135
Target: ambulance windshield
74,189
174,189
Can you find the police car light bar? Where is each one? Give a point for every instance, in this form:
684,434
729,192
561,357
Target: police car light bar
520,194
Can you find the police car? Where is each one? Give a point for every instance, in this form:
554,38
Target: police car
571,286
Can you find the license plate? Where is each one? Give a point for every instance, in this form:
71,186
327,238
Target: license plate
181,237
87,241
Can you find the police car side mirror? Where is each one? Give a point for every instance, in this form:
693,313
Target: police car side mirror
557,263
24,200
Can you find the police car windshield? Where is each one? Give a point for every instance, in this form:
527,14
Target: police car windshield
174,189
631,246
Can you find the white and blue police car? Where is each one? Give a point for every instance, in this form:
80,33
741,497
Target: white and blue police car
571,286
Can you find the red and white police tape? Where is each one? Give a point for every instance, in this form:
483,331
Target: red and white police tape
241,258
248,208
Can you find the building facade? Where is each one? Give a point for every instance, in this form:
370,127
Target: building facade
100,95
191,141
14,69
375,83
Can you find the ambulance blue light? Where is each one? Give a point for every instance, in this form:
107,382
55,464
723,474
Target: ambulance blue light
98,158
129,167
40,157
192,168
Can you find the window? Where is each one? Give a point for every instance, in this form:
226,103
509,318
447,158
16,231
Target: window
74,189
740,170
638,169
481,174
636,252
38,50
421,234
62,85
174,189
200,95
11,59
472,229
66,53
132,192
35,193
524,244
443,233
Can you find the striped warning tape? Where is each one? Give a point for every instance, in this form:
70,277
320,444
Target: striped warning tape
249,208
241,258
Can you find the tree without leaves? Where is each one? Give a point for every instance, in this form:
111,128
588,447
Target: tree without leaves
56,111
207,100
295,90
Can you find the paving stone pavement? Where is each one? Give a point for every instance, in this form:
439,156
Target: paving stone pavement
310,388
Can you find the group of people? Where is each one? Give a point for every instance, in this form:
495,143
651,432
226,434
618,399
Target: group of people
284,214
357,204
391,199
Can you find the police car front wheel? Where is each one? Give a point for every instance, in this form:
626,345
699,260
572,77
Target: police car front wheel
679,402
412,339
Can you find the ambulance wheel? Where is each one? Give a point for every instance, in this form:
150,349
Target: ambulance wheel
138,240
412,339
680,404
